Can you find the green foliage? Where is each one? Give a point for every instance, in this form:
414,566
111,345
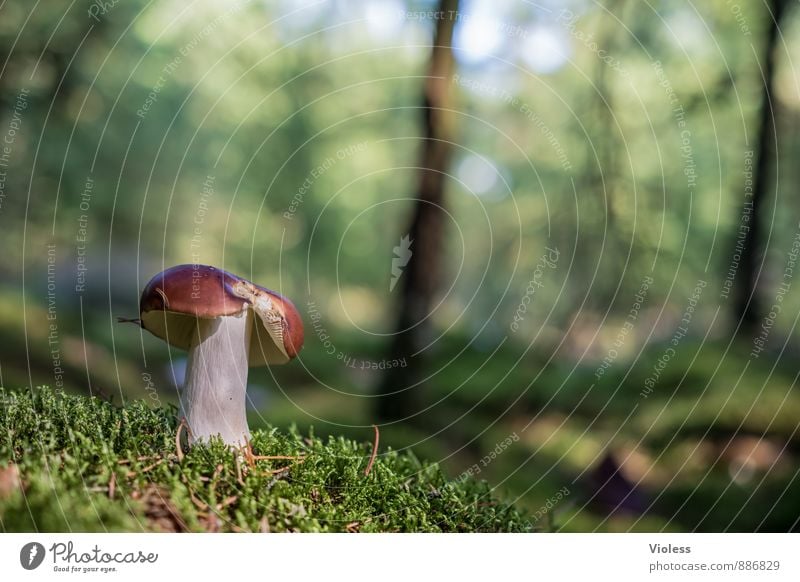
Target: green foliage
259,102
85,465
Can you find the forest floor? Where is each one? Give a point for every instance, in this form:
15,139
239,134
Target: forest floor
73,463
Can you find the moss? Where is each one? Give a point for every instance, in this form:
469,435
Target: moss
72,463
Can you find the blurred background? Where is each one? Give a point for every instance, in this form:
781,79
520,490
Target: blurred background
556,252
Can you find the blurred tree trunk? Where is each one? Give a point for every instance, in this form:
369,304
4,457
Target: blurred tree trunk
421,277
747,306
603,170
599,229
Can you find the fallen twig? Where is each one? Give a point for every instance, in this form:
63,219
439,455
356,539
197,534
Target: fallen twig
239,471
217,472
252,458
202,505
226,502
263,524
153,466
374,450
178,448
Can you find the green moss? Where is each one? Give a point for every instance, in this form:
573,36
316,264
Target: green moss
85,465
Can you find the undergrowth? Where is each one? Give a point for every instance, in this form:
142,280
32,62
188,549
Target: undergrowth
74,463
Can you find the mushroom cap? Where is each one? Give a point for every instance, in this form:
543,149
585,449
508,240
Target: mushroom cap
175,303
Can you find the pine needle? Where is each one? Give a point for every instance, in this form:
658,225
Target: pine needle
374,450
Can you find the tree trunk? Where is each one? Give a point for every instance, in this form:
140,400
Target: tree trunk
421,276
748,310
600,178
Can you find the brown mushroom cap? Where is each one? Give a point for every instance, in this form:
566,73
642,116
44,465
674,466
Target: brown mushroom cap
177,301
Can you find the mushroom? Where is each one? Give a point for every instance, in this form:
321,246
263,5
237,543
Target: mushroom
228,324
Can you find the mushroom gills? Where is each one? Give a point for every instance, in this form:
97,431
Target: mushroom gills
214,395
270,346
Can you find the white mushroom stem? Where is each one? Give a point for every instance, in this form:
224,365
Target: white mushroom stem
213,399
